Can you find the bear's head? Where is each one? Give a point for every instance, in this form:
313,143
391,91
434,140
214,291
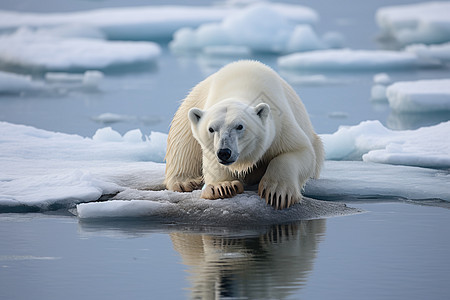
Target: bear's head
238,135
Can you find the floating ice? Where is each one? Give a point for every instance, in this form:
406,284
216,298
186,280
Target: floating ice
431,52
427,22
11,83
142,23
371,141
30,49
260,27
189,208
420,96
352,60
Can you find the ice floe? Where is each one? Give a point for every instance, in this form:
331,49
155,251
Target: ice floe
353,60
262,27
30,49
372,142
420,96
11,83
427,22
44,170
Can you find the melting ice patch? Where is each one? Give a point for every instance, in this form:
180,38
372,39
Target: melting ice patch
263,27
427,23
353,60
372,142
31,49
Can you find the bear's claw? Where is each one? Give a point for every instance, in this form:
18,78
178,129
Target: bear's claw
226,189
278,200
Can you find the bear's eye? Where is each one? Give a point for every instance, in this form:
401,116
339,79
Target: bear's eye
211,129
239,127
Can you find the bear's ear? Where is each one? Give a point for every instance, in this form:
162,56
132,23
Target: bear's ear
195,114
262,110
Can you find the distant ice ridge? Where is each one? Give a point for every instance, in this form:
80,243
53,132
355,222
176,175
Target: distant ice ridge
42,170
142,23
420,96
432,52
427,23
11,83
44,50
353,60
261,27
372,142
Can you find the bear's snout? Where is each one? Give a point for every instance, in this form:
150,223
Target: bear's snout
224,156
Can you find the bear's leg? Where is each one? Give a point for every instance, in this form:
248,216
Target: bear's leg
183,160
285,177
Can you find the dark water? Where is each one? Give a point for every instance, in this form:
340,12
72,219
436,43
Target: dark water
394,251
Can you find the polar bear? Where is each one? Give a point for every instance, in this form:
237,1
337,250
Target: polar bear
243,125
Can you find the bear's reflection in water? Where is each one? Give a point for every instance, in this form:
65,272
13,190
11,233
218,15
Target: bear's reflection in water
271,265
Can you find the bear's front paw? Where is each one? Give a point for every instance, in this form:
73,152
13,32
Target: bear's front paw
186,185
278,195
226,189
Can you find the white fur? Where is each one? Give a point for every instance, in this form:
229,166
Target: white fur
255,114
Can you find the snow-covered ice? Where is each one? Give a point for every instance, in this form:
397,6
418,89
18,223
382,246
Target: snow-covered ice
372,142
353,60
262,27
35,49
427,22
142,23
44,170
420,96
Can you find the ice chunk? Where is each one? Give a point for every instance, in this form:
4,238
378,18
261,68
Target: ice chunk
427,22
372,142
352,180
420,96
378,91
431,52
16,83
34,50
143,23
262,27
382,78
352,60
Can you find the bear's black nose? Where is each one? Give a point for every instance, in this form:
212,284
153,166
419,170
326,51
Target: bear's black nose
224,154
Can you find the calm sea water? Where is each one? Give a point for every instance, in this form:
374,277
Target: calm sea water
394,251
